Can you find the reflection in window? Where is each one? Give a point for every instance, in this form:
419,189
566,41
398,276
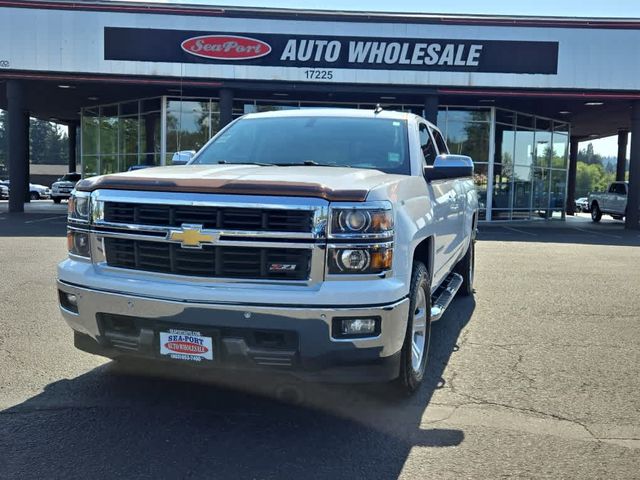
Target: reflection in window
188,126
470,139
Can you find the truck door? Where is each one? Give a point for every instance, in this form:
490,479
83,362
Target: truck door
448,209
620,198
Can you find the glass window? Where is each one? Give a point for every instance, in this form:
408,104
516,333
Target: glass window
90,132
428,152
129,135
480,178
89,165
543,149
440,143
459,115
470,139
150,135
560,151
525,140
335,141
150,105
540,190
129,109
109,164
187,125
502,175
108,135
557,192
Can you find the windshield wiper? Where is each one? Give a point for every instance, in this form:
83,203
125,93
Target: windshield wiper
224,162
310,163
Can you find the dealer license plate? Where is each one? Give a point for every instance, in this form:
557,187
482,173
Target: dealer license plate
186,345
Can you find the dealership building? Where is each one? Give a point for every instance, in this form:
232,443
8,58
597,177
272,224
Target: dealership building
137,83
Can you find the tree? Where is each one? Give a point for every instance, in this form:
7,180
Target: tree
47,143
591,178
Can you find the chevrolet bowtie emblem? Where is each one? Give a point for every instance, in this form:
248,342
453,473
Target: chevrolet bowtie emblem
191,236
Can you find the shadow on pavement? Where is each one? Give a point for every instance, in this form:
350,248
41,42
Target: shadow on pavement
33,224
610,232
106,424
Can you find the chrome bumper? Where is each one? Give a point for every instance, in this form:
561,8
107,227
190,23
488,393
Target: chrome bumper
316,352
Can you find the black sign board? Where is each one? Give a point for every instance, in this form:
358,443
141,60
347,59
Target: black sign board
323,51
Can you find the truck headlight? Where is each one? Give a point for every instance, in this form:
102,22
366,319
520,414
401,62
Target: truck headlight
362,219
371,259
78,243
79,206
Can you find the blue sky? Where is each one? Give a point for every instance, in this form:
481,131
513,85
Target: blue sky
582,8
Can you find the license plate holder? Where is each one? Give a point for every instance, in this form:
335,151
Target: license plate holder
186,345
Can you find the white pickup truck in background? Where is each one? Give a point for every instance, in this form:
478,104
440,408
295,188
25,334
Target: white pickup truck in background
612,202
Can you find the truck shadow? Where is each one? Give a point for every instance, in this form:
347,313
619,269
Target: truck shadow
107,424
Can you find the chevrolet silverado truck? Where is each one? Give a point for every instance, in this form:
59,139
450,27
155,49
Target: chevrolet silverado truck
318,242
612,202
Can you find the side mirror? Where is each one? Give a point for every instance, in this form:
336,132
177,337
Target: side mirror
183,157
449,166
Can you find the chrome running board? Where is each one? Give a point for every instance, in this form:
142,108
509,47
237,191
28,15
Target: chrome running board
444,294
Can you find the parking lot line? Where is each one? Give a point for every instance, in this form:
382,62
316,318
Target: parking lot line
520,231
596,233
45,219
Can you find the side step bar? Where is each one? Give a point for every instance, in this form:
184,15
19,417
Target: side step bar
444,294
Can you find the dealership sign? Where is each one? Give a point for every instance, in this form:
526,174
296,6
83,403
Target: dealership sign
282,50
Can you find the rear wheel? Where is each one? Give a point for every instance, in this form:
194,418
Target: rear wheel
596,214
57,199
34,196
415,351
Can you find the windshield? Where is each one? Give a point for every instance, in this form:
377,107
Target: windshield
329,141
70,177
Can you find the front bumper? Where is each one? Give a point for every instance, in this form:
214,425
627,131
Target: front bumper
254,337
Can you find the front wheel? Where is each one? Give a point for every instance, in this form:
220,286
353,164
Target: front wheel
467,268
34,196
415,351
596,214
57,199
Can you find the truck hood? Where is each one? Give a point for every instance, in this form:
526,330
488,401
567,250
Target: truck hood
330,183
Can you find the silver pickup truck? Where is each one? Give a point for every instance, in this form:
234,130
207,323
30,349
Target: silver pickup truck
612,202
319,242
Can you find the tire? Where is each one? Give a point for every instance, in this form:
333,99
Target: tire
467,268
34,196
617,217
57,199
596,214
413,367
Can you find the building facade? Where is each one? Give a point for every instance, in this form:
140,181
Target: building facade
141,82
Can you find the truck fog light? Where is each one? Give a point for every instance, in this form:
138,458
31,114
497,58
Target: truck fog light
68,301
356,327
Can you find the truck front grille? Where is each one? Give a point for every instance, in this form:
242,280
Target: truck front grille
230,218
210,261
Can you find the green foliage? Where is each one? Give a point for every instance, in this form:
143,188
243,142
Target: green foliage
592,178
47,143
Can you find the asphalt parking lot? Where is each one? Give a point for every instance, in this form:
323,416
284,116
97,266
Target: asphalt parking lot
537,377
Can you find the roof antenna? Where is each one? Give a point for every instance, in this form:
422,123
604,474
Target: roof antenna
378,108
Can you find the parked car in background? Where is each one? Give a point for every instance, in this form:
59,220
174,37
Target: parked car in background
612,202
582,204
4,192
36,191
61,188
